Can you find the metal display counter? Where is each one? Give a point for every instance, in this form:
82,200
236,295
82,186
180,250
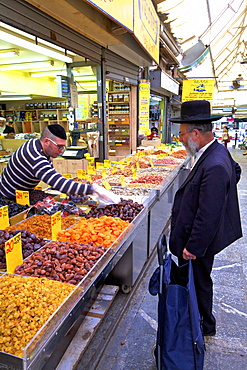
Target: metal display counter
121,264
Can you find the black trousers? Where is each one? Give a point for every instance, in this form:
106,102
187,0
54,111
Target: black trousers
202,268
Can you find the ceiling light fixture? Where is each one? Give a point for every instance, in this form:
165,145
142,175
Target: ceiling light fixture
26,65
31,46
15,97
8,53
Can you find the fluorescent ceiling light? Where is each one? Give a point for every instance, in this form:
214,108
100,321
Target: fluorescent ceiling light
26,65
31,46
50,73
15,97
8,53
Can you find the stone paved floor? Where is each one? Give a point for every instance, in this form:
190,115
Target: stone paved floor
130,346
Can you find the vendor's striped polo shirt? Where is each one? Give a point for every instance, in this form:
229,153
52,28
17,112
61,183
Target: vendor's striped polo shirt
28,166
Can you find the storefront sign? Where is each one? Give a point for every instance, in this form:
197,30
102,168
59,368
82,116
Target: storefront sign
147,26
169,84
197,90
13,251
144,101
118,10
4,217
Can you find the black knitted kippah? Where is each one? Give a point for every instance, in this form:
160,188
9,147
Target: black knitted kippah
57,130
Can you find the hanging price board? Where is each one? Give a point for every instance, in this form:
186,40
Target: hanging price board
55,225
122,180
13,251
103,173
22,197
91,170
107,163
106,185
99,165
68,176
81,174
4,217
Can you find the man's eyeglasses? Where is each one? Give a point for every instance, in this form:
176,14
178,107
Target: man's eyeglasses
181,134
60,147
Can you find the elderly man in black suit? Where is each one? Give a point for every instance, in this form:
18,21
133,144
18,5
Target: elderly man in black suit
205,213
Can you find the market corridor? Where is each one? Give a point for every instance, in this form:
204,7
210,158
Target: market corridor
126,336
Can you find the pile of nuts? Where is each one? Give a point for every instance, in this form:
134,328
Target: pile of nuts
149,179
65,262
26,303
40,225
126,209
166,161
30,243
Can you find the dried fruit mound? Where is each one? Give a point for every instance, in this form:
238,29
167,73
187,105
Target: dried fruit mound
25,305
100,231
40,225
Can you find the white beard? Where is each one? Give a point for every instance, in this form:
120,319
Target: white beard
191,147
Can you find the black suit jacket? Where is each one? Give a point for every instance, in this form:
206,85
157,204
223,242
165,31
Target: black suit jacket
205,213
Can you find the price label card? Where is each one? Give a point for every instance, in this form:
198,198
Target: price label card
138,166
88,178
38,188
22,197
68,176
121,166
107,163
13,251
151,163
132,168
99,165
91,170
56,225
103,173
142,153
81,174
4,217
114,169
122,180
106,185
134,176
63,196
90,160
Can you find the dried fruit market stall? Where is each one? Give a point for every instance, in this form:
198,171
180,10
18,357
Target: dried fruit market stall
101,244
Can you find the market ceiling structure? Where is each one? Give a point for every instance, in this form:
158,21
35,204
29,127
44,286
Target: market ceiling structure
218,27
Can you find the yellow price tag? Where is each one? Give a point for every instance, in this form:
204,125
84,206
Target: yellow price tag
13,251
134,176
106,185
56,225
107,163
22,197
122,180
138,166
151,163
68,176
132,168
99,165
91,170
161,155
38,188
88,178
114,169
103,173
81,174
4,217
63,196
121,166
142,153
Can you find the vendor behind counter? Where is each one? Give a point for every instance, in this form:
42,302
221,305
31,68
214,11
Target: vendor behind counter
5,129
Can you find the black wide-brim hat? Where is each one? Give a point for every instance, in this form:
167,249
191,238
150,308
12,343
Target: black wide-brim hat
197,111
